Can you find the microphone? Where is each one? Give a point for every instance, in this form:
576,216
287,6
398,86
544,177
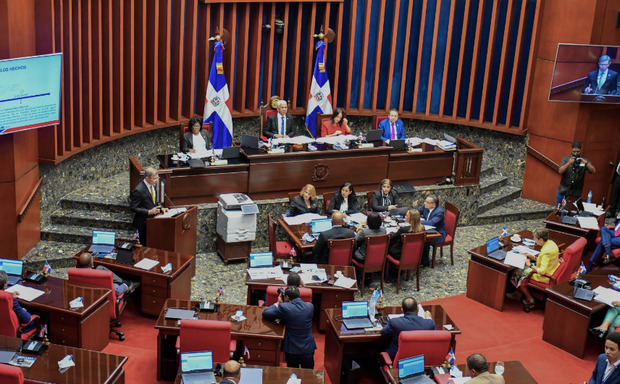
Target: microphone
445,182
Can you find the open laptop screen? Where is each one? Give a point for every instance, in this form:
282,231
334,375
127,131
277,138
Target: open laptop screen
354,309
12,267
103,237
196,361
410,366
321,225
261,259
492,245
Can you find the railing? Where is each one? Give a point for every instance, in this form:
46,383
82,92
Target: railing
544,159
468,163
31,196
136,173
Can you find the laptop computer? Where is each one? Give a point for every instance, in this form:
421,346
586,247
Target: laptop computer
13,269
320,225
398,145
197,367
261,259
249,141
124,257
355,315
102,241
373,135
494,249
411,371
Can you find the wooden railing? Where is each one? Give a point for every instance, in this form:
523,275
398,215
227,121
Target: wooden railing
136,173
31,196
544,159
468,163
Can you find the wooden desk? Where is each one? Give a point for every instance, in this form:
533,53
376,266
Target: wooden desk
87,327
91,367
327,296
280,375
554,221
487,277
263,338
431,165
573,314
340,341
155,286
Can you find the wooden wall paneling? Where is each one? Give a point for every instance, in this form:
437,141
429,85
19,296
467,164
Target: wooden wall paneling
188,82
242,60
58,46
86,69
416,84
336,58
500,78
256,25
395,22
364,54
108,65
119,70
76,21
351,56
513,78
530,64
230,51
268,60
378,44
459,71
309,65
489,59
68,74
446,62
475,59
129,60
152,62
163,74
403,79
96,71
140,64
295,54
431,67
176,67
204,53
283,53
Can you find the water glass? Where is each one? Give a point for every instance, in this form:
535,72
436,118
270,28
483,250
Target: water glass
499,367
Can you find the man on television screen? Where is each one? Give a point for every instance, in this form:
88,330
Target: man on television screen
602,81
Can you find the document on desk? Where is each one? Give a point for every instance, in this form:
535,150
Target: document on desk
171,213
593,209
588,222
606,295
515,259
25,293
266,273
251,376
146,264
358,217
304,218
316,276
344,282
524,249
308,267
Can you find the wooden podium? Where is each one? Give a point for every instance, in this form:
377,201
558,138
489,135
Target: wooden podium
176,234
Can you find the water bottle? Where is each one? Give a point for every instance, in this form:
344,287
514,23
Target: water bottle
590,196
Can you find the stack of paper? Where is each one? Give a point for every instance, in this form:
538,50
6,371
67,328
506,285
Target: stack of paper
146,263
593,209
606,295
588,222
344,282
515,259
304,218
266,273
25,293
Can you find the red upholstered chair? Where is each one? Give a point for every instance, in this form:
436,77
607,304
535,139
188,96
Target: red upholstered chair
279,249
410,257
327,198
272,294
451,220
377,120
340,251
266,110
569,263
369,200
102,279
319,122
11,375
202,335
9,323
376,252
185,128
434,345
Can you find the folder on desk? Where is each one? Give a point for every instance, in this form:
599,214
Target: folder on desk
179,314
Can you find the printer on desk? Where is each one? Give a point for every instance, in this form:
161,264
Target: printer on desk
236,217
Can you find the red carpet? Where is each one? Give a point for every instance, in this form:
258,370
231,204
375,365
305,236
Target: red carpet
508,335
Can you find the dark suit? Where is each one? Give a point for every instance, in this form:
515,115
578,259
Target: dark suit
228,381
298,343
334,204
320,251
436,220
396,242
409,322
188,140
609,87
386,128
140,203
615,189
377,203
298,206
271,126
599,372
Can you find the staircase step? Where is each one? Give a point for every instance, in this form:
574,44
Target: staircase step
492,182
497,197
486,171
93,218
77,234
58,254
515,210
113,204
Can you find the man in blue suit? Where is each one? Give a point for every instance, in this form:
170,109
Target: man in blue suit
410,321
392,128
606,369
432,214
296,315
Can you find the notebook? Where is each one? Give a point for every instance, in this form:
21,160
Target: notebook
398,145
13,269
355,315
493,249
197,367
261,259
373,135
411,370
102,241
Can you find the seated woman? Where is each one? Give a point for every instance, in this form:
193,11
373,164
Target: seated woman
546,263
344,200
336,125
374,228
385,198
305,202
197,139
396,243
610,323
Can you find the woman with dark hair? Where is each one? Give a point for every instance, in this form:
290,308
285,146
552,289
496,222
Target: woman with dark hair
412,217
305,202
385,198
374,228
344,200
197,139
336,125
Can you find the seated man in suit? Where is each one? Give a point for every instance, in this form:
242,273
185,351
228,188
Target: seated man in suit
144,203
279,124
602,81
409,322
610,239
479,369
606,369
85,260
432,214
232,369
197,139
22,315
296,315
392,128
320,251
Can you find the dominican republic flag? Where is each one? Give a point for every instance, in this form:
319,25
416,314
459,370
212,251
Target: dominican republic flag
450,357
320,100
504,232
582,269
47,269
217,102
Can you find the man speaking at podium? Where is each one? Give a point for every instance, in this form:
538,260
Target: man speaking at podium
602,81
144,202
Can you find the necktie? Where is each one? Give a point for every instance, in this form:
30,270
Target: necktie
393,132
282,130
153,194
617,230
601,79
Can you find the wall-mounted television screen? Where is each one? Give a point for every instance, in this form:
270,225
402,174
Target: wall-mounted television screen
586,74
29,92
